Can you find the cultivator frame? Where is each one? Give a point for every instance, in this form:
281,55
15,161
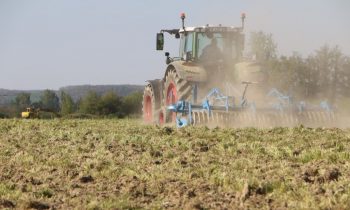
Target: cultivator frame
222,110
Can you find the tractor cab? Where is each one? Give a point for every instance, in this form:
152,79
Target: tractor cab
211,44
207,44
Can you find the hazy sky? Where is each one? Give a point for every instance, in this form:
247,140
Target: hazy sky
54,43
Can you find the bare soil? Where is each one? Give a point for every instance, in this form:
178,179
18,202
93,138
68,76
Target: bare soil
122,164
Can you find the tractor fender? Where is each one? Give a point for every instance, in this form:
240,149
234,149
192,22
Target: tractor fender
188,71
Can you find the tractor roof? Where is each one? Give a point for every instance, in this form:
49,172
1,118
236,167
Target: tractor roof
211,28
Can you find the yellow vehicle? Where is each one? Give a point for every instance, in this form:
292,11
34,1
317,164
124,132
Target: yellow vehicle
30,113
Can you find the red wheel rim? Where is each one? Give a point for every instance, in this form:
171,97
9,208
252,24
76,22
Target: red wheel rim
147,109
171,98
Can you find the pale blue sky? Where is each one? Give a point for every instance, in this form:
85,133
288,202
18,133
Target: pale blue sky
54,43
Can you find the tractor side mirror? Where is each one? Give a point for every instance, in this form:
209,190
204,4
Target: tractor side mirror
160,41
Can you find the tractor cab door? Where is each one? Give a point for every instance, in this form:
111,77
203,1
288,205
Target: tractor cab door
186,46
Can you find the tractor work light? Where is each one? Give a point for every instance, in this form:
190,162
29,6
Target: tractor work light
182,15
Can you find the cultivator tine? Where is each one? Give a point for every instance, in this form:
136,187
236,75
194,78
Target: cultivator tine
321,117
325,117
286,120
216,117
194,118
263,119
317,118
311,116
204,117
291,119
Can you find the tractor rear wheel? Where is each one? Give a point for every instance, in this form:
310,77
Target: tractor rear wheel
175,89
151,103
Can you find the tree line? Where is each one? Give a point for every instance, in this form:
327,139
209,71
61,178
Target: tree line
323,74
108,104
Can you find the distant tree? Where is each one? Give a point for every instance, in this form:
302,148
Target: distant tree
67,104
110,103
345,78
327,66
6,112
290,75
49,100
89,103
132,104
262,46
22,100
37,104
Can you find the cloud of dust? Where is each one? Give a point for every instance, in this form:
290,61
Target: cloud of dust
267,114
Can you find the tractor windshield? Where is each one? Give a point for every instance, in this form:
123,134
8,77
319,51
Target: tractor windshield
217,46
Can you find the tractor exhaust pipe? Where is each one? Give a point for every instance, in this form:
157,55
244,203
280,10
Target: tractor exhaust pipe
243,18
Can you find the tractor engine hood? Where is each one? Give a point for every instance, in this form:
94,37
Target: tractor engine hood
250,71
190,71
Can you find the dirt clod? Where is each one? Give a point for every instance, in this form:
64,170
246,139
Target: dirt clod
194,175
24,188
86,179
7,203
157,162
204,148
35,181
332,174
38,205
168,130
156,154
310,175
260,191
296,152
191,194
183,163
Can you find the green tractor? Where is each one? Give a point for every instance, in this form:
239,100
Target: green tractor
209,56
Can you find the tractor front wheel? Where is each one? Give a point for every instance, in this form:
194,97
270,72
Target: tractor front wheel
175,89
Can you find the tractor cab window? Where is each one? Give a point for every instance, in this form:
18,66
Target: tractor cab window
209,45
218,46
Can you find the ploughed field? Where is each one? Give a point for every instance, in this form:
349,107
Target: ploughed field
122,164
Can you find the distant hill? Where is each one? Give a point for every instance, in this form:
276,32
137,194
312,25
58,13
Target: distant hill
77,91
8,96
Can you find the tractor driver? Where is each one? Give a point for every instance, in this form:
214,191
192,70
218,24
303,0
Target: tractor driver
211,54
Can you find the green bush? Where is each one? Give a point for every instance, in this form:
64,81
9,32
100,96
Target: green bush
3,115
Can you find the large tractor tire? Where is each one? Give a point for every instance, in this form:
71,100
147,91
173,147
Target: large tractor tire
151,103
175,89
